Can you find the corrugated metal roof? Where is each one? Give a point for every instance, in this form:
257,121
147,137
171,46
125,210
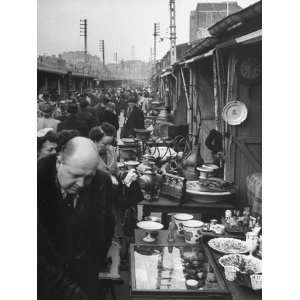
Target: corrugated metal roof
51,70
202,47
243,16
251,12
210,6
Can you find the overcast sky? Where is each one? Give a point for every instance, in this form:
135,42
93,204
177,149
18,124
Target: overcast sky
121,23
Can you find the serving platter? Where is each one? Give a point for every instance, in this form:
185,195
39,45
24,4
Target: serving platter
228,245
195,188
234,113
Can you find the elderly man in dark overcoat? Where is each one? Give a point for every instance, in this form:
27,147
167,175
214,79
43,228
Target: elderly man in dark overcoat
75,222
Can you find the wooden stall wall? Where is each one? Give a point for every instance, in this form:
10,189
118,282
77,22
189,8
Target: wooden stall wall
180,113
244,148
203,106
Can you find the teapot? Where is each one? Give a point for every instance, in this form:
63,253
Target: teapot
150,182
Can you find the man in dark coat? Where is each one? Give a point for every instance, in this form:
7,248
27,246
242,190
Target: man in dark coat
75,217
72,121
86,115
135,119
110,116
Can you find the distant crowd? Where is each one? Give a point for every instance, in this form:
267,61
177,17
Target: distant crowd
86,202
78,114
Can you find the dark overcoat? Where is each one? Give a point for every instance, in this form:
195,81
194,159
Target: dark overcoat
80,236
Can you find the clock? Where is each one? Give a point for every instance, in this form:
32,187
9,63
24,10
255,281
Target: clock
249,69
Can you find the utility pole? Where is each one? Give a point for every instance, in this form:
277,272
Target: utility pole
155,34
83,32
227,8
102,51
132,52
151,55
116,60
172,32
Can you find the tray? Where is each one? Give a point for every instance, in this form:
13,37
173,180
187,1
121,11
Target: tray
161,271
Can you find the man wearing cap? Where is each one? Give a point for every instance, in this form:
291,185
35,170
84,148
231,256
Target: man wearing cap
85,115
75,221
110,116
45,120
135,118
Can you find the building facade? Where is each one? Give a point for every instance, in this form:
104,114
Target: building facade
207,14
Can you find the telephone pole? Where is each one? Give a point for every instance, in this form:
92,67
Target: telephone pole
155,34
102,51
172,32
116,60
132,52
83,32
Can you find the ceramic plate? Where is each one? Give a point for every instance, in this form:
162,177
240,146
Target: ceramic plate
228,245
235,113
194,188
183,217
193,223
150,225
247,262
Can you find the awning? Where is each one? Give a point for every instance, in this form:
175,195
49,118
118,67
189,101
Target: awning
51,70
209,53
165,74
243,16
249,38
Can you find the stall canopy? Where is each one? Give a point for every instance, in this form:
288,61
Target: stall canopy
166,73
237,19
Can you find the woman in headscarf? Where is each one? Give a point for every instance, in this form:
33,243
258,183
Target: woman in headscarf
46,142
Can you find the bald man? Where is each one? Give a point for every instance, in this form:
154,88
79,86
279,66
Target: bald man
75,214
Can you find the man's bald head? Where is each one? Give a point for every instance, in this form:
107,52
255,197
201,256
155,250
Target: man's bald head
77,164
80,148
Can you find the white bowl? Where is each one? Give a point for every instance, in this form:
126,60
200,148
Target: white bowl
251,263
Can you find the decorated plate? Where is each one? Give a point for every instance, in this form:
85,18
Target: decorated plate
228,245
244,263
235,113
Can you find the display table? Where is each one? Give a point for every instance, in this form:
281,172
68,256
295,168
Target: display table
236,292
166,205
160,270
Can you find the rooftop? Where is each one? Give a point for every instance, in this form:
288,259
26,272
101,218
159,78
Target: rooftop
217,6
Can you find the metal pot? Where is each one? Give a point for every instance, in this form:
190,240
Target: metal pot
205,173
142,134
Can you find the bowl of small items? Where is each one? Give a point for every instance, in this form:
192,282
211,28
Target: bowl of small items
245,270
228,245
